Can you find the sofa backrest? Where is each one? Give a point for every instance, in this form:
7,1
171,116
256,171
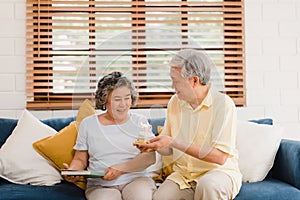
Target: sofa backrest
8,125
155,122
58,123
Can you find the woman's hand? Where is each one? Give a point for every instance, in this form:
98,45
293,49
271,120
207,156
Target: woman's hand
71,179
112,173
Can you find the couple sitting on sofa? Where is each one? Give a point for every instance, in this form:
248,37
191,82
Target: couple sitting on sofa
199,132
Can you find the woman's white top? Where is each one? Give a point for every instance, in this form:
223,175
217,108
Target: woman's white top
108,145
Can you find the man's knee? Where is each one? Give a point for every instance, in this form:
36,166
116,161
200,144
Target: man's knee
170,190
159,195
207,184
166,191
214,186
156,195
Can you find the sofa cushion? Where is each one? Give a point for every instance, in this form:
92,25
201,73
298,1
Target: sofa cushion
19,162
61,191
257,145
269,189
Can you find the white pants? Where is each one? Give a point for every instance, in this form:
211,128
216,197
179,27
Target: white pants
139,189
215,185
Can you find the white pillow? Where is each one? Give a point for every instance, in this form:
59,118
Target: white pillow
257,145
19,162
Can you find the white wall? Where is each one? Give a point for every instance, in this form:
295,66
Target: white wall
272,63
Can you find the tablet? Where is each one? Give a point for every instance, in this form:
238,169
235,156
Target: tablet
84,173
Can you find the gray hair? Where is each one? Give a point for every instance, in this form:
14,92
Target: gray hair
110,82
193,63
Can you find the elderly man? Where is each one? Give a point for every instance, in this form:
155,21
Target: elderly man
200,133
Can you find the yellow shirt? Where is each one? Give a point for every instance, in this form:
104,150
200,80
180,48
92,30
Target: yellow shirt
211,124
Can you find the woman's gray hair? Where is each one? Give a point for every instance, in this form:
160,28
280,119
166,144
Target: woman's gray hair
193,63
110,82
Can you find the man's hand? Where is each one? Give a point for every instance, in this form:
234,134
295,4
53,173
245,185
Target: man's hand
156,144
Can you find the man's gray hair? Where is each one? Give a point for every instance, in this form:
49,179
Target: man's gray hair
193,63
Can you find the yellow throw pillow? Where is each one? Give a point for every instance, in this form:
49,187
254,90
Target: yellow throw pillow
58,149
167,163
85,110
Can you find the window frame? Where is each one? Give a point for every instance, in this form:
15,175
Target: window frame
39,83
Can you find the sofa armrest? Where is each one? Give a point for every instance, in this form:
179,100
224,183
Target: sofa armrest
287,163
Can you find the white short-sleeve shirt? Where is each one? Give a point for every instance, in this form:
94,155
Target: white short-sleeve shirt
108,145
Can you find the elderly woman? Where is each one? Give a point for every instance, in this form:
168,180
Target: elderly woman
104,143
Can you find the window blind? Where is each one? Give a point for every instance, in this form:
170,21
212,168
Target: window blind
72,43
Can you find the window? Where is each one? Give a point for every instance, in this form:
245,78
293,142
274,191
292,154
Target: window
72,43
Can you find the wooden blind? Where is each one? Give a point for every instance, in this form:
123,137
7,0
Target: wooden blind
72,43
